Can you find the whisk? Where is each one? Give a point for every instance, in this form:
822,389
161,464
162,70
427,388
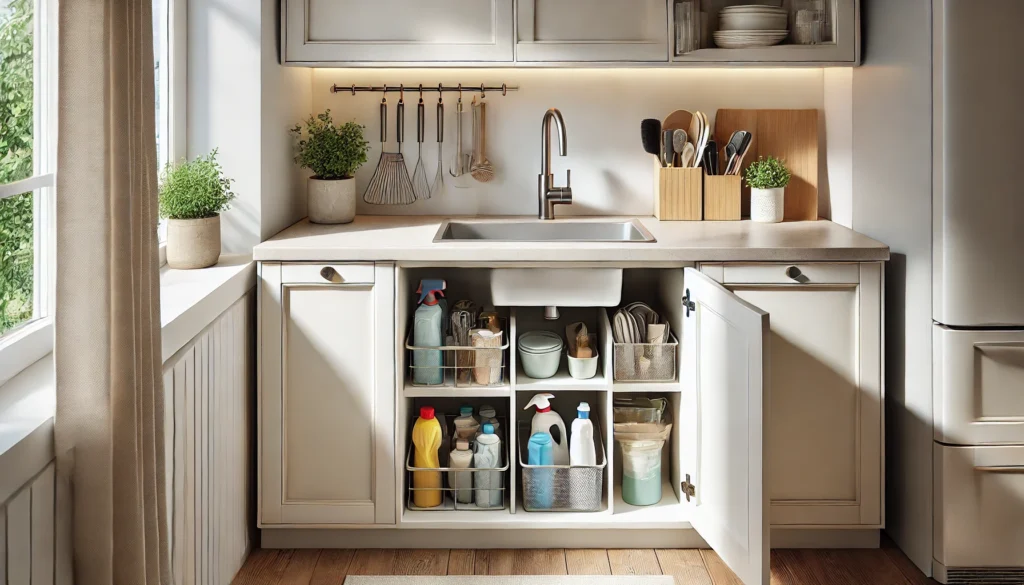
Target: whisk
390,183
419,176
438,185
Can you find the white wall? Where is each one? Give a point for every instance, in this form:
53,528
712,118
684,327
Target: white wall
242,102
602,108
892,197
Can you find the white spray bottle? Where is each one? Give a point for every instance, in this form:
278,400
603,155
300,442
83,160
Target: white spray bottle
548,421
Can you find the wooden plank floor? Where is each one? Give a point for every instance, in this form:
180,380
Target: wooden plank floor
884,566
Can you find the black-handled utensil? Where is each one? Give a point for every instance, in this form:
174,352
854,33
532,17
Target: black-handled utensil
710,161
650,135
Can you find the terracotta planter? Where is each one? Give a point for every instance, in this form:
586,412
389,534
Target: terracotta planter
193,243
767,205
331,201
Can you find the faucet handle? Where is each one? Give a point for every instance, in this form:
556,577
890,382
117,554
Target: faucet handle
568,178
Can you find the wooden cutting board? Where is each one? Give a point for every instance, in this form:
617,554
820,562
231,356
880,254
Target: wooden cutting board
790,135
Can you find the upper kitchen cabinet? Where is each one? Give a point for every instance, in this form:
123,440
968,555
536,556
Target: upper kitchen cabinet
813,32
332,32
568,31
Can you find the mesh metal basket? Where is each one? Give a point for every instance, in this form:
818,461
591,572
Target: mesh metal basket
459,488
562,488
645,362
458,366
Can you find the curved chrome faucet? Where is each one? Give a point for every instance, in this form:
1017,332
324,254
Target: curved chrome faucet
548,194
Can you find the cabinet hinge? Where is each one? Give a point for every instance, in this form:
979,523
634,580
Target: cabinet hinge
688,303
689,490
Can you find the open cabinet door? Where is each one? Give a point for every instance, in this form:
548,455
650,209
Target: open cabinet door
724,417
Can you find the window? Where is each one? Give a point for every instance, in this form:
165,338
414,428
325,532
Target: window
169,40
27,152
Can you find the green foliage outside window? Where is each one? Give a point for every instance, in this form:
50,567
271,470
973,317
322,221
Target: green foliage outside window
16,226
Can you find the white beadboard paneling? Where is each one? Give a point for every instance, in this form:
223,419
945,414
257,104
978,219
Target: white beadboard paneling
19,538
43,508
211,384
611,174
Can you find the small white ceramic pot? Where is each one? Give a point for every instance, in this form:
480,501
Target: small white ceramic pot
193,243
766,205
331,201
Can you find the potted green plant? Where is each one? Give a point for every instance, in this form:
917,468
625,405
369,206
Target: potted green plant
333,153
767,178
192,196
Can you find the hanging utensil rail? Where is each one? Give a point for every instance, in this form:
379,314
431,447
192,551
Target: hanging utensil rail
419,88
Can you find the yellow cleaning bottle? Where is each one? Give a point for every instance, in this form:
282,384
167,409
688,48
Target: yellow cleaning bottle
426,440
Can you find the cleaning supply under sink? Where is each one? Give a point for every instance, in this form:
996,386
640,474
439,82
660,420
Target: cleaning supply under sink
461,481
488,484
466,425
581,441
540,452
489,416
428,331
426,440
550,422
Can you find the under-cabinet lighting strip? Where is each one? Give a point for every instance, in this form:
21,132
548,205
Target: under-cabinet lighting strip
420,88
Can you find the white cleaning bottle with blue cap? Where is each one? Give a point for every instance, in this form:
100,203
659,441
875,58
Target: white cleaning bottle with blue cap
550,422
581,441
428,331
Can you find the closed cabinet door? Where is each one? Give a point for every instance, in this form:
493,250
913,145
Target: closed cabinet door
326,434
826,403
407,31
592,30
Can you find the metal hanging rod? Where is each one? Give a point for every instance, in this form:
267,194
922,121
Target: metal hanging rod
420,88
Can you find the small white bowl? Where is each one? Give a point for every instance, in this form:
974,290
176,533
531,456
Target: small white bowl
583,368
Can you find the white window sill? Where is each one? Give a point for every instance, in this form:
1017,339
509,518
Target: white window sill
190,301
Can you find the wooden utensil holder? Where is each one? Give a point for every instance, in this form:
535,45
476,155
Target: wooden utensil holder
722,200
679,194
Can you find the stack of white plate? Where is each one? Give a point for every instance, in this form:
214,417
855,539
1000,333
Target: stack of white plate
751,26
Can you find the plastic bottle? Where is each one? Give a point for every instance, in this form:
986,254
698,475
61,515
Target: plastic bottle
488,484
466,425
540,489
547,421
581,441
426,439
428,331
461,481
488,415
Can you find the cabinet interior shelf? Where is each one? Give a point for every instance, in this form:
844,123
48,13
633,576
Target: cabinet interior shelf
410,391
560,381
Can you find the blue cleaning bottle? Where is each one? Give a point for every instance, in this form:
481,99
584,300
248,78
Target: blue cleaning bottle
428,331
540,491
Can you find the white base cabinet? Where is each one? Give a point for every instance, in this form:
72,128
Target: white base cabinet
826,434
776,402
326,394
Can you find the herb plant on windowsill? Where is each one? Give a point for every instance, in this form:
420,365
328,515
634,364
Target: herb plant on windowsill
333,153
767,178
192,196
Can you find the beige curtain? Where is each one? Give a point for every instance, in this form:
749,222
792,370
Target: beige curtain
109,423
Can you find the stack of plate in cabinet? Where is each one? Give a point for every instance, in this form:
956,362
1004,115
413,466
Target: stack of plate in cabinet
751,26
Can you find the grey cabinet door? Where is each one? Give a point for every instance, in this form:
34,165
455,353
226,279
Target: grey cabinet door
592,30
396,31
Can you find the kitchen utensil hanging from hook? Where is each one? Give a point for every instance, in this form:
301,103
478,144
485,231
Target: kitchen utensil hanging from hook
419,176
390,183
438,186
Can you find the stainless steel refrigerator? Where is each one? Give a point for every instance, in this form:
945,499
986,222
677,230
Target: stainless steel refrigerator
978,290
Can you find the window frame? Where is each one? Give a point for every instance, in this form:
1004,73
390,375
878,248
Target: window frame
174,57
33,340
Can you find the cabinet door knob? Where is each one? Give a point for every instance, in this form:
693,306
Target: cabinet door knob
329,273
793,272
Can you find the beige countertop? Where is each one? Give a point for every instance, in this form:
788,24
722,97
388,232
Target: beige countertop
410,239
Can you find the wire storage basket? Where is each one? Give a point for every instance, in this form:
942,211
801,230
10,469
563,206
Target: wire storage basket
645,362
462,488
562,488
481,364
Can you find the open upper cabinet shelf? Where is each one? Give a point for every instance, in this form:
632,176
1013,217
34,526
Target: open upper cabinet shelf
541,33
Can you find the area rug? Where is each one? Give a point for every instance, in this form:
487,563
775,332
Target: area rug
515,580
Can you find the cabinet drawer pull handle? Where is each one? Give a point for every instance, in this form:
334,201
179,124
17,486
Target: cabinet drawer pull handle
329,274
1001,468
793,272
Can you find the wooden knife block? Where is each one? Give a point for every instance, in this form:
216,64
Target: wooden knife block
679,194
